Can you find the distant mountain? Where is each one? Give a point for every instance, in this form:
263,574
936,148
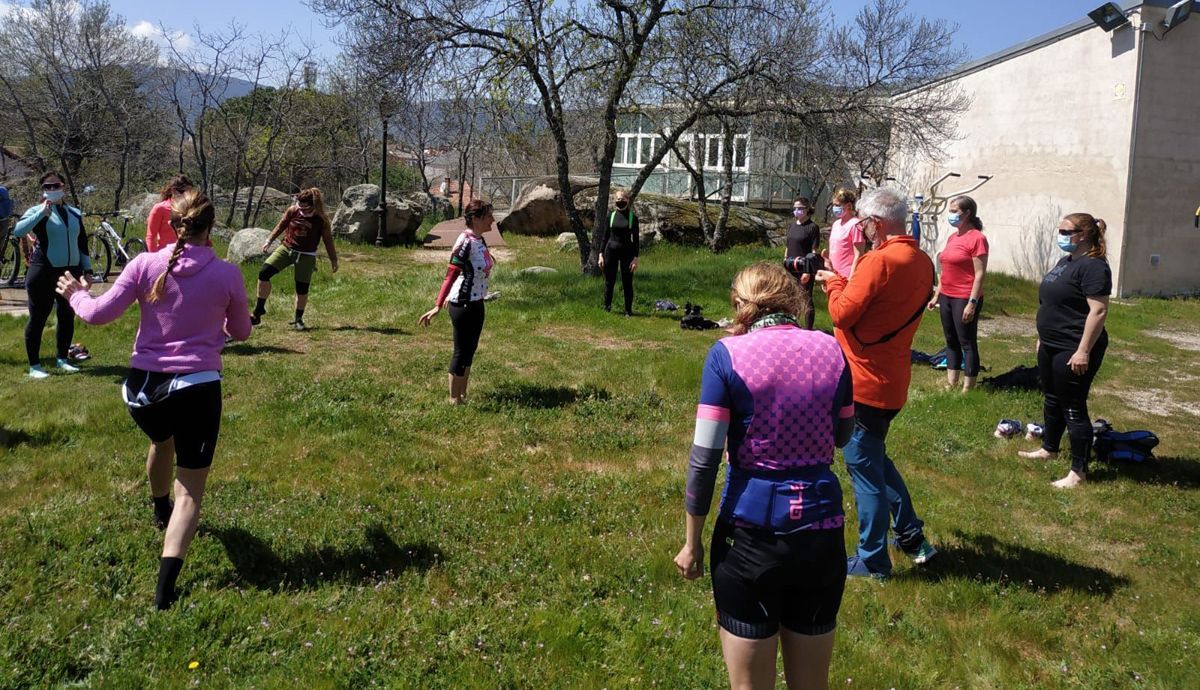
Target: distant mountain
190,93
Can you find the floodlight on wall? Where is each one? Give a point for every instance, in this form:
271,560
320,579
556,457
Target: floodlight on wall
1109,16
1178,14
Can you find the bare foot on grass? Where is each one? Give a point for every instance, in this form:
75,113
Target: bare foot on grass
1072,480
1039,454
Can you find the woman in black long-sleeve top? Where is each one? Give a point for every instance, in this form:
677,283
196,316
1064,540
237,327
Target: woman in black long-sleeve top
619,247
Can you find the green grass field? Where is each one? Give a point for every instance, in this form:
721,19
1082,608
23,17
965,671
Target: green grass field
360,531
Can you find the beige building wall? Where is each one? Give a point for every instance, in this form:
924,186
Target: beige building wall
1165,181
1053,126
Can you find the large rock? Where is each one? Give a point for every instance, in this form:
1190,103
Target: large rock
140,206
430,205
246,245
677,220
538,210
272,199
357,218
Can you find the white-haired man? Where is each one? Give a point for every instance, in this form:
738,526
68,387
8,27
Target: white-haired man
875,315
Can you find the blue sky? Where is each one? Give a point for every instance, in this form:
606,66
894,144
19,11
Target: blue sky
986,26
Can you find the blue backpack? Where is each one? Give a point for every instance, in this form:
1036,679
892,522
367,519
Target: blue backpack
6,204
1126,446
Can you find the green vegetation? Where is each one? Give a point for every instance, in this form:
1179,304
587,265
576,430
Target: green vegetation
361,531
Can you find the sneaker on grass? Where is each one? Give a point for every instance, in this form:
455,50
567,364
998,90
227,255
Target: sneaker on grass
857,567
37,372
923,553
299,325
67,367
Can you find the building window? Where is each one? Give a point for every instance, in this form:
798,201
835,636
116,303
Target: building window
645,150
739,151
713,159
658,144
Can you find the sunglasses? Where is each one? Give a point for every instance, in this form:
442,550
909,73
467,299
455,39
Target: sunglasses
51,186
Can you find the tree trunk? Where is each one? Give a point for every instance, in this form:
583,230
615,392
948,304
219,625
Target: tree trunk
718,237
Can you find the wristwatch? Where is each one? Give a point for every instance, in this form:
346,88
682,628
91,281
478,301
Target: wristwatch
972,301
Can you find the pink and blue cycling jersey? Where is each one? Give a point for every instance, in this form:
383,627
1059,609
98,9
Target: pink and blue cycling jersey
772,398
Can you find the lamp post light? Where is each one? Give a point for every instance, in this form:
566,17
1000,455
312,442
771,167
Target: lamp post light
382,233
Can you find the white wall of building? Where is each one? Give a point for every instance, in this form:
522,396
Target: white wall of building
1053,126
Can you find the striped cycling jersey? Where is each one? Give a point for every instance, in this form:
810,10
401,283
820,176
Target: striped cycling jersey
474,262
773,398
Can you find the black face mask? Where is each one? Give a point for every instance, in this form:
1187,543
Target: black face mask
622,204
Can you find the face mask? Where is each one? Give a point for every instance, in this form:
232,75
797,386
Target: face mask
837,211
954,219
622,204
1065,243
55,196
799,212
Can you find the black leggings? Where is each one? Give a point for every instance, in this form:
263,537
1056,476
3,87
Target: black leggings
614,258
962,341
40,282
1065,403
468,325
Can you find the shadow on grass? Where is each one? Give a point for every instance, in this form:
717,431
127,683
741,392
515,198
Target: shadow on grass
11,438
378,559
984,558
381,330
538,397
248,349
114,371
1166,471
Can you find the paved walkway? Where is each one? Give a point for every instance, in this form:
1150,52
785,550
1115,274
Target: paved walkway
443,235
13,301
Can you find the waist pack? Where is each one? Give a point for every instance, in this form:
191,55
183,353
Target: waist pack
1127,446
781,505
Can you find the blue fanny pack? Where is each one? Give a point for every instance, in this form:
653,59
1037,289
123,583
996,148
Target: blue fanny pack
778,503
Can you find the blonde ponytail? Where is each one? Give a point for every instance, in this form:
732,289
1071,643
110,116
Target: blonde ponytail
192,215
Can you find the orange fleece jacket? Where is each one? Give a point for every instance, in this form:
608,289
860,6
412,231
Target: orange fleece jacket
889,285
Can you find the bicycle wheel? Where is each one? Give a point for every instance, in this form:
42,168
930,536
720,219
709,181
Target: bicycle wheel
10,261
101,255
134,246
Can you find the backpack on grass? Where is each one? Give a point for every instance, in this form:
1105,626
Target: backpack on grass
1124,446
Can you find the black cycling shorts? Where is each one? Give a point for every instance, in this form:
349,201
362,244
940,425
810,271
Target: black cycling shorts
191,415
762,581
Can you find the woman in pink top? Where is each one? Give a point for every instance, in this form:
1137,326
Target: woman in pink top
963,264
159,232
846,240
188,299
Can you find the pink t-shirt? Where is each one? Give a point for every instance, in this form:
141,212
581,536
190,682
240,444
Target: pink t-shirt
957,262
842,237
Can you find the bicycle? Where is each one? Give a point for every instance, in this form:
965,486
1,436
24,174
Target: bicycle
106,243
10,254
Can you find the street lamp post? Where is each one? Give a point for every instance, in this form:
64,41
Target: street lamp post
383,114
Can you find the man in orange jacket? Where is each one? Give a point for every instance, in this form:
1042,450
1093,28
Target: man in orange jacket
875,316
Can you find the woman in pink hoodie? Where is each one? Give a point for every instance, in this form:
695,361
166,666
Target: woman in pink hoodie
189,299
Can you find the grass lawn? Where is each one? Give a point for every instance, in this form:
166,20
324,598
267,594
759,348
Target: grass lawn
360,531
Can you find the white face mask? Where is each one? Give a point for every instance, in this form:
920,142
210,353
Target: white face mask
55,196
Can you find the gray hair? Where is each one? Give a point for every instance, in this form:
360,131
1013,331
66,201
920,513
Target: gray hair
884,203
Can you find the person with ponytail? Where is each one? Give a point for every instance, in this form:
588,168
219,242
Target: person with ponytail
847,241
465,286
159,232
963,263
303,226
775,399
189,299
1072,307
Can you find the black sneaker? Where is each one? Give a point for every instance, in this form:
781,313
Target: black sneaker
255,319
299,325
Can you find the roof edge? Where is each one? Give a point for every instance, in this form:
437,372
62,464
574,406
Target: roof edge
1017,50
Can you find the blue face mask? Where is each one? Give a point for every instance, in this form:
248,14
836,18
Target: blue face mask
954,219
799,212
55,196
1065,243
837,211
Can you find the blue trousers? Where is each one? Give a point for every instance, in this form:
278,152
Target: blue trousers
879,490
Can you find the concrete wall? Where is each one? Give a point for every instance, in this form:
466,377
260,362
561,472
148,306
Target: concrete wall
1053,126
1165,187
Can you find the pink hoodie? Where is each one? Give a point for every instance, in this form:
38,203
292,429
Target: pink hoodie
185,330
